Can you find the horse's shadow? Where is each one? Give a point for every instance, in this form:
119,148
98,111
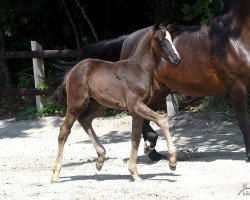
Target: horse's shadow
102,177
105,177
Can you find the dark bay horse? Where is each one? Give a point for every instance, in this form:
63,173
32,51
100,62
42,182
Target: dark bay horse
127,85
215,60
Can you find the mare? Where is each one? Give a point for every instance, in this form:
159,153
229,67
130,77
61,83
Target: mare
127,85
215,60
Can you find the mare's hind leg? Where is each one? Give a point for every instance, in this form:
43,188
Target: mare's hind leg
62,138
145,112
93,110
135,141
239,100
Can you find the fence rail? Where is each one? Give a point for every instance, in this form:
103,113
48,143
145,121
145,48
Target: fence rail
24,91
41,54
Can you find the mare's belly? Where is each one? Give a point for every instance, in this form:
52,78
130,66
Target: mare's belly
193,84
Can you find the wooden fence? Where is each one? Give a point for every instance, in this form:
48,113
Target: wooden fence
37,54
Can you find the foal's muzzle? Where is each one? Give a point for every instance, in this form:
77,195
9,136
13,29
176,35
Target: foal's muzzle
174,59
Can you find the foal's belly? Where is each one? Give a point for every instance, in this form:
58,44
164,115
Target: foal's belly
108,92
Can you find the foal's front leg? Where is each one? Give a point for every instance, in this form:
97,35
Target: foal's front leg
137,123
145,112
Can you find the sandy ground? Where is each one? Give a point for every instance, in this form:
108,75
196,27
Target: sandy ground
216,171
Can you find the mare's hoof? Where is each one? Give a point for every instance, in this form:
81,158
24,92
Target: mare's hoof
147,150
173,168
155,156
99,166
248,158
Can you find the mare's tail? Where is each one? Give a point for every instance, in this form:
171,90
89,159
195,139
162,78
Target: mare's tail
108,50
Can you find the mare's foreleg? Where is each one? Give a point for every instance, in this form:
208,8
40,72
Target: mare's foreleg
149,135
93,110
239,100
135,142
145,112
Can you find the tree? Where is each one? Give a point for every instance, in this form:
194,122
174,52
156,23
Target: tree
4,68
202,11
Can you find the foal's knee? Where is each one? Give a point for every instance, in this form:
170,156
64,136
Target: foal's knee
64,132
162,122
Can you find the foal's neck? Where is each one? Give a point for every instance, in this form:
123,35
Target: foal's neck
144,56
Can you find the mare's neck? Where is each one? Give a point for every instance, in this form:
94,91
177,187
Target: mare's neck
237,14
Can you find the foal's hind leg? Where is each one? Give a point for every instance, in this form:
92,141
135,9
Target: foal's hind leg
145,112
135,142
62,138
93,110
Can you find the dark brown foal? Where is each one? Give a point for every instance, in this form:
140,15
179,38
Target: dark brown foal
129,85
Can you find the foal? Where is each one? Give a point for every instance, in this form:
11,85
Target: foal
126,85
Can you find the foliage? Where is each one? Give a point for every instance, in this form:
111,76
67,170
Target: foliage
49,109
114,113
219,103
27,114
25,81
202,11
167,10
42,86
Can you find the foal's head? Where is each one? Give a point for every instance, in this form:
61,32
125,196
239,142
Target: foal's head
164,45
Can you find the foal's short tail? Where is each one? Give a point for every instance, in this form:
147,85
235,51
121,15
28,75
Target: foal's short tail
59,96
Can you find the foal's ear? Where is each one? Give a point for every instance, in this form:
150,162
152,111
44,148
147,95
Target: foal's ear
156,26
165,23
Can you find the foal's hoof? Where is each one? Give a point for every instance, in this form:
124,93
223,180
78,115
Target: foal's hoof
98,166
137,179
173,168
54,180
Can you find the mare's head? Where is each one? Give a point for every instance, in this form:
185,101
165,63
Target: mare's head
164,45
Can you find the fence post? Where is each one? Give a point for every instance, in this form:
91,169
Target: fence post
172,105
38,70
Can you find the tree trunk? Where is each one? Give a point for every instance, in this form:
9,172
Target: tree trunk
73,25
87,20
3,63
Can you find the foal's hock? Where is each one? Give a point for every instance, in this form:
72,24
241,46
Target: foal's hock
127,85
